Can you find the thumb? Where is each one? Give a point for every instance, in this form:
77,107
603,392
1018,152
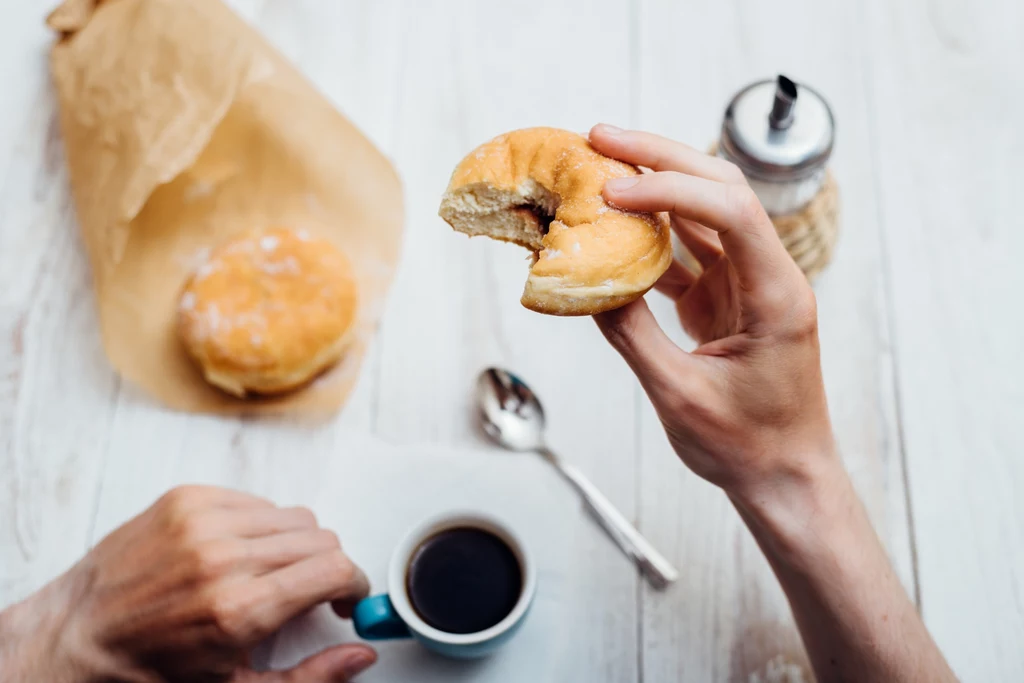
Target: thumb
656,361
338,664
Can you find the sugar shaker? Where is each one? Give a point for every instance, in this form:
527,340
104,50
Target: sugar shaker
780,133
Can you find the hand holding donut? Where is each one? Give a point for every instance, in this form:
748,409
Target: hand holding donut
745,410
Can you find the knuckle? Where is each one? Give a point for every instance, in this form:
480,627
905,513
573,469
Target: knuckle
733,173
187,529
216,559
674,187
329,539
658,157
178,509
305,516
340,566
231,614
228,615
803,314
179,498
793,312
744,204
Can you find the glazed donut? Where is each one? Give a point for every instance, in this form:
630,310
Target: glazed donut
541,188
268,311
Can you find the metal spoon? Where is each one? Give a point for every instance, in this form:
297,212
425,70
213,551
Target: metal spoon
512,416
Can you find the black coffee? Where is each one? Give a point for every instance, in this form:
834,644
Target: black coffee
463,580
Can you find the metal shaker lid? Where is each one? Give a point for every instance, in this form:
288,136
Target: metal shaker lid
778,130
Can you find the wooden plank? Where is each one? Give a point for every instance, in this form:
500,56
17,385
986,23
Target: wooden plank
56,391
471,71
948,101
727,619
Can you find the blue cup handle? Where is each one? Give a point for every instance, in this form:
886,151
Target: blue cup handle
375,618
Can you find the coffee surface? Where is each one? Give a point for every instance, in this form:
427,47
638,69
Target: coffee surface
463,580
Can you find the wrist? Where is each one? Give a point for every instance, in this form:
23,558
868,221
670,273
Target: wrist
800,513
40,639
855,617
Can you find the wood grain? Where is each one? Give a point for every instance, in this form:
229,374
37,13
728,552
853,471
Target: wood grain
947,99
470,72
920,327
57,394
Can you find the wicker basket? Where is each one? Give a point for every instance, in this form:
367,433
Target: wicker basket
810,234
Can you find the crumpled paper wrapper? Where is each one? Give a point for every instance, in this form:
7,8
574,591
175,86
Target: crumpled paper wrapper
182,128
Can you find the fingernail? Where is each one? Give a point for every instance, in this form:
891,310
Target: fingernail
621,184
357,662
609,129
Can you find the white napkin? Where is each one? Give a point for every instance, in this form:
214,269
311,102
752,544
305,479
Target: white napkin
371,494
378,499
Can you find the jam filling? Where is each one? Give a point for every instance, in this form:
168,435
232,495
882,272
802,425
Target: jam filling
543,218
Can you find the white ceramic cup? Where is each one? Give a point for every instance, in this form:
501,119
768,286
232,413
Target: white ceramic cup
391,615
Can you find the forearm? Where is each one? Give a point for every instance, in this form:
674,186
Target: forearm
35,642
855,618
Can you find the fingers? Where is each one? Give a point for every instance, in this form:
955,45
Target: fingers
661,154
675,281
335,665
701,242
262,522
657,362
249,523
192,497
338,664
268,553
326,577
733,211
344,607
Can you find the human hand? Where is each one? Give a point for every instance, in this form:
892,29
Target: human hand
747,408
185,590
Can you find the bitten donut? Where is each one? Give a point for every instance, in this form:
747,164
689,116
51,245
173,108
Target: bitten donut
541,188
268,311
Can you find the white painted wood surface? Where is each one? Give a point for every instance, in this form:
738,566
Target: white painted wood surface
947,105
921,324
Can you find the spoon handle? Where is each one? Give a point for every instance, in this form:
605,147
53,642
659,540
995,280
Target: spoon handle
653,564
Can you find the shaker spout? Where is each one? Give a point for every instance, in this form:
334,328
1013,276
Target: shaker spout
786,93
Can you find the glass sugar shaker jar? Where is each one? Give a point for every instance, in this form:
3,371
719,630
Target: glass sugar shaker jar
780,133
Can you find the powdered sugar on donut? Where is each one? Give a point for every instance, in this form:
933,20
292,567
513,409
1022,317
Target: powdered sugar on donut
206,270
268,307
288,265
188,301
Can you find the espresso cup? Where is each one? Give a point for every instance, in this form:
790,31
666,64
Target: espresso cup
452,586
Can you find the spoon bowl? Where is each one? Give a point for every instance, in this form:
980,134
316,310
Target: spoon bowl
510,413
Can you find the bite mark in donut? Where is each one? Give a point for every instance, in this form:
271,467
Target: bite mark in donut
538,215
541,188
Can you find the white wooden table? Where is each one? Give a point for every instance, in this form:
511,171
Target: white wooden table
921,314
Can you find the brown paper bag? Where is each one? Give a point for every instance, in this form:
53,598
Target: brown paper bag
183,127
